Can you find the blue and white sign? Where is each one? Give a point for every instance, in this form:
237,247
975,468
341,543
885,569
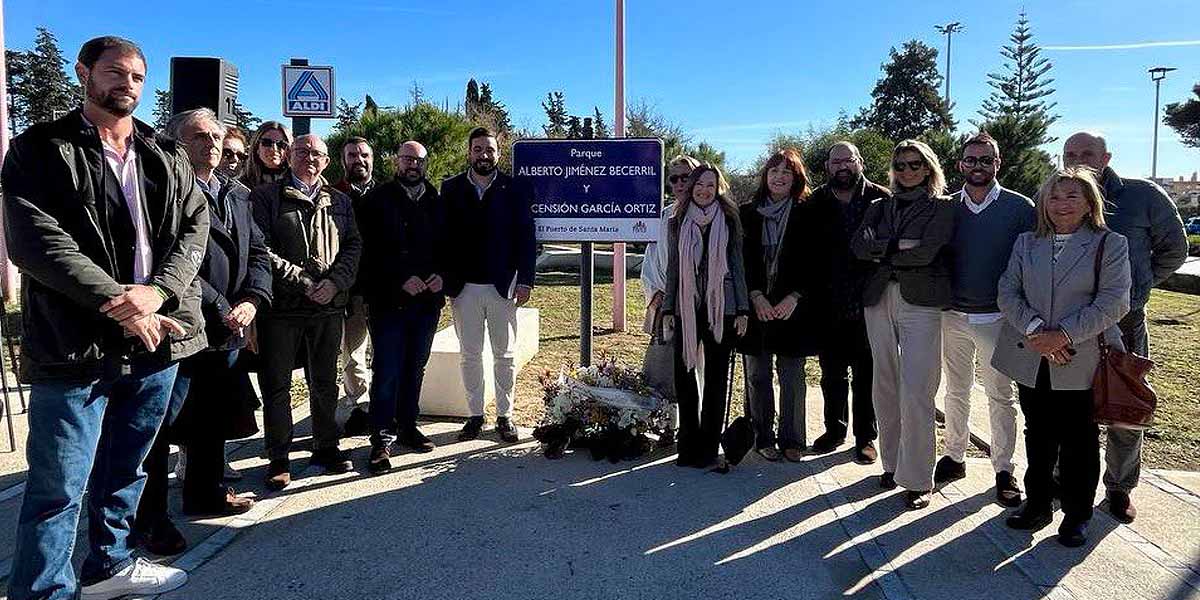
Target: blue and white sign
308,92
593,190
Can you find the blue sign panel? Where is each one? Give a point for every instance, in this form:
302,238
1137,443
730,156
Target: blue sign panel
308,91
593,190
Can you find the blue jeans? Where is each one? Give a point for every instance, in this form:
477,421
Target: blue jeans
402,340
102,430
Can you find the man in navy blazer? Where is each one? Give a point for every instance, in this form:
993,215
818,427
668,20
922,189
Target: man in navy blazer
488,273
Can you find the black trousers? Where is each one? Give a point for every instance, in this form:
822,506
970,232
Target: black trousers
700,422
280,338
1059,428
848,350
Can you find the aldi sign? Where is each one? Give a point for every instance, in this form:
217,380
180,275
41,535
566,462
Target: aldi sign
308,92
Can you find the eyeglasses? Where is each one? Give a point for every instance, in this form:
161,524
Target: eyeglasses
228,154
412,160
306,153
971,161
677,178
269,143
900,166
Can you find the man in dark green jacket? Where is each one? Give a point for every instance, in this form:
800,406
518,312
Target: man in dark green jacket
106,223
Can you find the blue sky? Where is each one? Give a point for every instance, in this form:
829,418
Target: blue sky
730,73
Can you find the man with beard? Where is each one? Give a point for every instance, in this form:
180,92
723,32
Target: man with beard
358,160
401,226
988,220
108,227
841,204
488,273
1143,213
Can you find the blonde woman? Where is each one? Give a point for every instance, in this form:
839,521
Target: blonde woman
706,308
906,237
1055,308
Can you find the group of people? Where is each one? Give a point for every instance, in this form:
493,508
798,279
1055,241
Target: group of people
895,288
162,269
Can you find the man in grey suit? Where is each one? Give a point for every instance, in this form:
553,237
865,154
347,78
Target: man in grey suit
1143,213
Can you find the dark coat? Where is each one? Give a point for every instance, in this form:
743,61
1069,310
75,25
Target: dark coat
54,202
833,228
309,241
401,239
924,271
236,266
494,237
800,271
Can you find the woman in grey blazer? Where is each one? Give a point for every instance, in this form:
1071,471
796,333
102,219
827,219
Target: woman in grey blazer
1049,345
907,237
706,306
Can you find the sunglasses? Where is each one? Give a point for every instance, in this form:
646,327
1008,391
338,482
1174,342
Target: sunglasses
901,166
268,143
228,154
971,161
677,178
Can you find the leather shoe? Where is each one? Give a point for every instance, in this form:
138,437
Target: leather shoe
334,461
865,454
1029,518
887,481
916,500
793,454
162,538
231,504
278,476
414,440
1121,507
507,431
380,460
1072,533
948,470
1007,492
471,429
827,443
769,453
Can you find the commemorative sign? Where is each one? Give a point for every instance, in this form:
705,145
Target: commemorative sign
308,92
593,190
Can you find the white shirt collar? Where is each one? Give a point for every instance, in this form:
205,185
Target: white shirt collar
992,194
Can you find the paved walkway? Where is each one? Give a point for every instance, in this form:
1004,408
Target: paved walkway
485,520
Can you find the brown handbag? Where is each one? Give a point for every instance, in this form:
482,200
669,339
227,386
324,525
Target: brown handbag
1121,396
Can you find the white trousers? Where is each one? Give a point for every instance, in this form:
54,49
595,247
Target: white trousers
906,343
356,378
962,343
476,307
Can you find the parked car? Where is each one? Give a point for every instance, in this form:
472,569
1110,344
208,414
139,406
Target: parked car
1193,226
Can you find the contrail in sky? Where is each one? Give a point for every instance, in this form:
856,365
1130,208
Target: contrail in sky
1126,46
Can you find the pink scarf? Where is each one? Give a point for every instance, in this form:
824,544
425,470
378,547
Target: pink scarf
690,252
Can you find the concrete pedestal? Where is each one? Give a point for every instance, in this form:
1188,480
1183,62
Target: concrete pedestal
443,393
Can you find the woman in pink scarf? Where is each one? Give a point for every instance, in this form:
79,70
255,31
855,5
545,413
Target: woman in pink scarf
706,306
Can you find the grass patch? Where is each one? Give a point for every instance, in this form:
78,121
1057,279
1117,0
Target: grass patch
1174,324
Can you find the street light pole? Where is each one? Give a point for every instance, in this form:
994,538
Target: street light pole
1157,75
948,30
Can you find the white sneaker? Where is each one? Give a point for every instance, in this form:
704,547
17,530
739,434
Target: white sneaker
140,577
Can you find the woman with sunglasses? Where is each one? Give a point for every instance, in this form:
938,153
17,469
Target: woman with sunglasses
706,296
906,236
269,155
783,287
233,153
654,263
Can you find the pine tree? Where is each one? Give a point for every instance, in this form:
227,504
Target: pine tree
41,88
347,115
905,101
556,115
243,118
472,105
599,127
1184,118
1023,88
495,109
162,110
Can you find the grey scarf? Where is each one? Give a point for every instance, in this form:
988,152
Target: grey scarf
775,217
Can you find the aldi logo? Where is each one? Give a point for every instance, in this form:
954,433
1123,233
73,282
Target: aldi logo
308,92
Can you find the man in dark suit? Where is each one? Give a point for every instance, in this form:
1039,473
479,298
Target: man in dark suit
488,273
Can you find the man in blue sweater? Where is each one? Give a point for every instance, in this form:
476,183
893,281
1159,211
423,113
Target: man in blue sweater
988,220
1143,213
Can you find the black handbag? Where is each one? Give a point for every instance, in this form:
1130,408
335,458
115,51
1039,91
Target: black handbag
738,438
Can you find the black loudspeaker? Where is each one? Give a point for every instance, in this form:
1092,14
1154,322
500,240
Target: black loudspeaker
199,82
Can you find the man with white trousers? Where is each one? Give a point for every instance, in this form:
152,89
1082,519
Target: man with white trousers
987,222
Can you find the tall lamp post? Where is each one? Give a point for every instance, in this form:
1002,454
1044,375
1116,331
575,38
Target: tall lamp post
1157,75
948,30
